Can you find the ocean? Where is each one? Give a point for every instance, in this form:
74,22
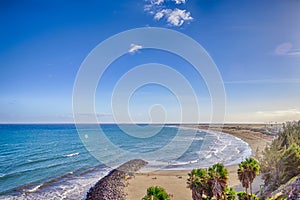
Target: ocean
49,161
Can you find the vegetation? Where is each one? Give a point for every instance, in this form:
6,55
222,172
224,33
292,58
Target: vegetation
247,172
230,194
156,193
208,183
211,183
244,196
279,163
281,160
198,183
218,177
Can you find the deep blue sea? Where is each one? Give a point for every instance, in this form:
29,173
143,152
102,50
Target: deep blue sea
51,162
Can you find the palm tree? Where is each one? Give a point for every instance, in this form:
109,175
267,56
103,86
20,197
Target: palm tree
193,185
247,172
197,182
230,194
210,183
244,196
218,180
156,193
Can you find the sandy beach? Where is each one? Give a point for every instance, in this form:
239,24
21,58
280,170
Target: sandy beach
174,181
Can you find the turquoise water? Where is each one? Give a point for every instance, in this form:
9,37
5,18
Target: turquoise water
50,161
31,155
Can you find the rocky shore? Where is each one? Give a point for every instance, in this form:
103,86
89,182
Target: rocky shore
111,187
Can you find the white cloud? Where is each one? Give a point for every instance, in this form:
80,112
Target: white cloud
159,15
294,53
157,2
280,112
286,49
148,7
283,48
160,2
265,81
180,1
280,115
134,48
177,17
174,17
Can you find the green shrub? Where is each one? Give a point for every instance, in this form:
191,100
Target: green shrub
244,196
156,193
281,160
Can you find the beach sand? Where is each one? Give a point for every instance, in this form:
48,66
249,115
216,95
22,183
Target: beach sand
174,181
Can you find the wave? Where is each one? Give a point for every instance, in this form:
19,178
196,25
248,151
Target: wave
215,147
46,169
185,163
36,161
208,156
29,170
67,186
35,188
72,154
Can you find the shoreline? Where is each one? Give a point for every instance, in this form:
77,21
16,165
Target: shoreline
111,186
174,181
256,140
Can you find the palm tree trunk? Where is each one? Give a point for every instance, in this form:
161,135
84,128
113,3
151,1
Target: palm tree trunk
198,195
194,194
247,193
251,190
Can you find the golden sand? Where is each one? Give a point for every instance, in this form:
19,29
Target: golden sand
174,181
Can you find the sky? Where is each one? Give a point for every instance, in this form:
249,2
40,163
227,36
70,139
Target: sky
255,46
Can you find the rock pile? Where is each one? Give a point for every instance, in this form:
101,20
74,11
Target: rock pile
111,186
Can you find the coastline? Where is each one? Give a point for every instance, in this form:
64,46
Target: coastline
111,186
174,181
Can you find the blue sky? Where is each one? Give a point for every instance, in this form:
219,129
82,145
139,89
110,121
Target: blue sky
255,45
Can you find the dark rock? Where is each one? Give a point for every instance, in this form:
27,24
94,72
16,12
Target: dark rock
111,186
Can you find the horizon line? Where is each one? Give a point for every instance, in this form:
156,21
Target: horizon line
141,123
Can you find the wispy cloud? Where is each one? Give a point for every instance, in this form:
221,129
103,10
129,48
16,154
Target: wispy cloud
134,48
177,17
157,2
275,115
180,1
294,53
288,114
95,114
264,81
173,17
286,49
159,14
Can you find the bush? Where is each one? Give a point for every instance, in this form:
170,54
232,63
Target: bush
156,193
244,196
281,160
